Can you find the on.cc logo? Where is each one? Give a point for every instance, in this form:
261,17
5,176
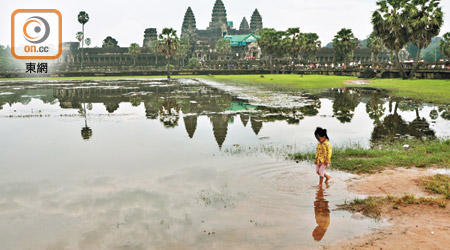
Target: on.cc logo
36,34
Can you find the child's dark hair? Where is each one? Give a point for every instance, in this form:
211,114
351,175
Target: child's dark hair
320,132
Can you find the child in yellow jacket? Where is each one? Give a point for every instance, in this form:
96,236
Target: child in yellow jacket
323,154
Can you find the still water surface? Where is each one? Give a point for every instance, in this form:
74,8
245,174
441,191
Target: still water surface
152,164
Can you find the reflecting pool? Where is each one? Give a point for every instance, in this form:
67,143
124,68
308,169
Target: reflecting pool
153,164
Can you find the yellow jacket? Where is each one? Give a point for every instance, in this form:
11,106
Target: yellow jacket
323,152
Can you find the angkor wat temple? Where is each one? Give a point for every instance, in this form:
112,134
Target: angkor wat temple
243,42
204,41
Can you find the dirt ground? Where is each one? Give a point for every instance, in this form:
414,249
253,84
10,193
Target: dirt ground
412,227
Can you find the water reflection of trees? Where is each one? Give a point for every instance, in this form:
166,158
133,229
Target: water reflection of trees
393,126
168,102
86,132
375,106
24,95
169,113
445,109
345,102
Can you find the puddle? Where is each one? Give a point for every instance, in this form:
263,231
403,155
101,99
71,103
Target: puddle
183,165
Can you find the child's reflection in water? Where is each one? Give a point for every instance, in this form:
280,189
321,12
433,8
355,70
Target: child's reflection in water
322,213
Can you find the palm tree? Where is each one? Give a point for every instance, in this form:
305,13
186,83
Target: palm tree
375,44
312,45
268,42
223,47
281,46
83,18
344,43
168,45
390,24
134,51
444,45
426,19
295,42
79,36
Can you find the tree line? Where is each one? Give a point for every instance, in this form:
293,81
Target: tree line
396,25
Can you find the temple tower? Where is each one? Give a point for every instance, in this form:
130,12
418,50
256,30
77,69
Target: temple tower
244,25
189,25
219,17
150,34
256,22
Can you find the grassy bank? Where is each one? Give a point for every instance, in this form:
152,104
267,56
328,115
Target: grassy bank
438,184
359,160
437,91
373,206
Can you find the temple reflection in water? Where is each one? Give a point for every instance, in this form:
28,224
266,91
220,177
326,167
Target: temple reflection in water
172,102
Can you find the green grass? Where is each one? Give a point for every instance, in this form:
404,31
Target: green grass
359,160
437,91
438,184
372,206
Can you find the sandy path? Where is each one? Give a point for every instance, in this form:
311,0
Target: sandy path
413,227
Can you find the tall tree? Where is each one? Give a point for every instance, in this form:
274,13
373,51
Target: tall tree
79,36
376,46
295,43
154,50
168,45
266,42
223,47
272,44
412,50
183,49
134,50
83,18
425,18
390,24
6,61
312,45
444,45
344,44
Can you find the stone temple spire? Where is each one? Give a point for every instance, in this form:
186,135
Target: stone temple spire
189,25
244,25
219,15
256,22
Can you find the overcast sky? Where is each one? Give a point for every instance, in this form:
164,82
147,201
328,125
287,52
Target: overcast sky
127,20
